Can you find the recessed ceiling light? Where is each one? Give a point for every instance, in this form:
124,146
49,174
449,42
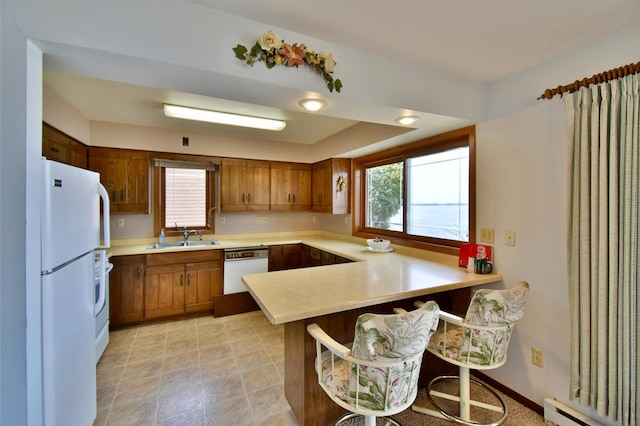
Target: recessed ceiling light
313,104
223,118
407,120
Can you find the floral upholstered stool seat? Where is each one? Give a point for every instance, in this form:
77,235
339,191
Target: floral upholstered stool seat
377,375
478,341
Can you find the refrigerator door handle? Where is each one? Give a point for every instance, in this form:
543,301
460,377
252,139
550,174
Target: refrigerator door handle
106,217
102,255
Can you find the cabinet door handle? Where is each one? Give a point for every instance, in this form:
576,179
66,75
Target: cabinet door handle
243,197
188,279
249,198
113,195
289,199
122,195
139,272
181,280
294,198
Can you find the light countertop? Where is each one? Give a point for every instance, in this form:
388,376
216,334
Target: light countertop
373,278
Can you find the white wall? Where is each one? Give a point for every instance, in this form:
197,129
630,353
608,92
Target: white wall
521,174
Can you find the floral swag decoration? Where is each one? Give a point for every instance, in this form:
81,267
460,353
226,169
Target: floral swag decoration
273,51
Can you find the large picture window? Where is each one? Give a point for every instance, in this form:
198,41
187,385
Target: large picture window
421,194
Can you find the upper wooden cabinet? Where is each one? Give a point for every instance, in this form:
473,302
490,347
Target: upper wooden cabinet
330,186
245,185
290,186
125,174
58,146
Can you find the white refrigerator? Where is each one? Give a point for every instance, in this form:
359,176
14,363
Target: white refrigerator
70,232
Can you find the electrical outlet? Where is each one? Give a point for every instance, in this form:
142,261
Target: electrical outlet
120,223
315,218
223,220
537,357
262,219
510,238
487,235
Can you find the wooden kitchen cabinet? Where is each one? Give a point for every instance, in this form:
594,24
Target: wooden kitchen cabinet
330,186
285,256
204,283
126,289
58,146
125,175
184,282
245,185
290,186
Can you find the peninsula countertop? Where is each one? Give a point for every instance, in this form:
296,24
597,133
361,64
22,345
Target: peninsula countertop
372,278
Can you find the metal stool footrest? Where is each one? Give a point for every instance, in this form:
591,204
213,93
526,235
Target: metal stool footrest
387,420
500,409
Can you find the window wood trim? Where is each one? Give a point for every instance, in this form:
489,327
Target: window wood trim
158,193
444,141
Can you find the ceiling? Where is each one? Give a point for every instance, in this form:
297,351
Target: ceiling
491,39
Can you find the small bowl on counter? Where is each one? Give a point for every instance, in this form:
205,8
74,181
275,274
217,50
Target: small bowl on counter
378,244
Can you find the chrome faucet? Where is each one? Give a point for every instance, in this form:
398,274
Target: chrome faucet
186,235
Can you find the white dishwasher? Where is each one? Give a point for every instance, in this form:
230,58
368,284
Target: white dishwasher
243,261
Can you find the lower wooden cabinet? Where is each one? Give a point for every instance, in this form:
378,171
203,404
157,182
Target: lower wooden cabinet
292,256
179,283
126,289
160,285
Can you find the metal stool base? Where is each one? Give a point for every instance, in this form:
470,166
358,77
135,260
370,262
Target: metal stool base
469,422
349,416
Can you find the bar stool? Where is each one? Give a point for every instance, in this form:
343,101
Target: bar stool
377,374
479,342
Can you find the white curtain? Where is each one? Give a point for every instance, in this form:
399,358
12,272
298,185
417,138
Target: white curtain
603,246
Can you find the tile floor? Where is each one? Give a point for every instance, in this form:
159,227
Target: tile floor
203,371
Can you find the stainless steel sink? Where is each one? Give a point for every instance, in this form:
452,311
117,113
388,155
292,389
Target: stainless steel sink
183,244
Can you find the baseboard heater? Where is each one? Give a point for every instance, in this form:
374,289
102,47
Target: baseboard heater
556,413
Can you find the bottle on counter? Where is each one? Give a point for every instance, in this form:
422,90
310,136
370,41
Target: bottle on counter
161,237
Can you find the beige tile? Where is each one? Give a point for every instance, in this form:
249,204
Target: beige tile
190,418
182,345
138,412
229,412
181,333
242,333
261,378
144,388
101,417
139,370
108,377
118,346
176,380
235,322
250,360
217,368
223,387
272,337
268,401
283,418
175,325
246,345
276,352
152,329
111,359
223,350
180,401
149,339
105,397
180,361
212,339
146,353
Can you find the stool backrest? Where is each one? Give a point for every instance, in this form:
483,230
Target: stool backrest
394,337
492,308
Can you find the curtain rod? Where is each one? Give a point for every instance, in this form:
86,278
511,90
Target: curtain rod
596,79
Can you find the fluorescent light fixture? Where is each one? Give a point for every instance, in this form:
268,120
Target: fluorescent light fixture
407,120
313,104
223,118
